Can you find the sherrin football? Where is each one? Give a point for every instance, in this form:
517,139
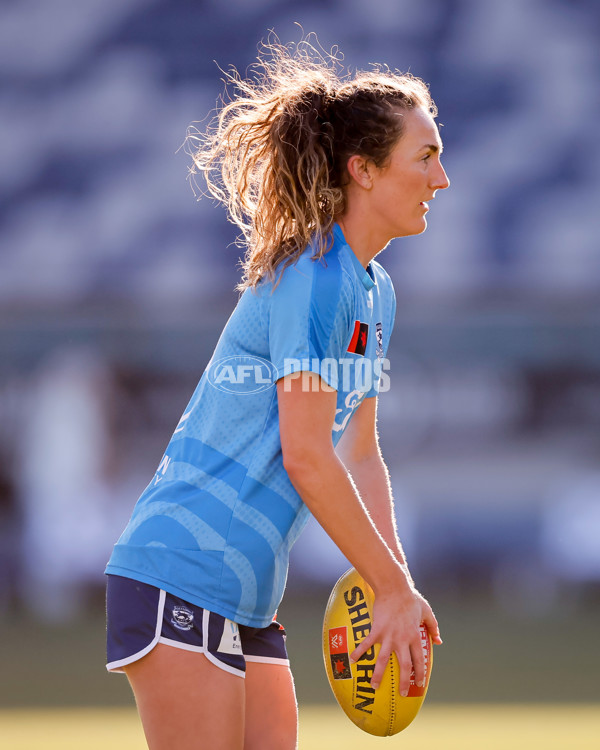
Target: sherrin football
348,619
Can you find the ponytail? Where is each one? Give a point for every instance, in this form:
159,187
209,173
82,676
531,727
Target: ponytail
276,154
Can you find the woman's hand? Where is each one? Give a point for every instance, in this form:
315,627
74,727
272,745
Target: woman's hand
306,416
397,618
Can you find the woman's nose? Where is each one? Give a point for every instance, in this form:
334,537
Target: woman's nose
441,181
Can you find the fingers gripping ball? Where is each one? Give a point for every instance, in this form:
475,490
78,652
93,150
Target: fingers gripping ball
348,618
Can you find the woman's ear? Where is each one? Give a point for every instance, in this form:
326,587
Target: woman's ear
360,170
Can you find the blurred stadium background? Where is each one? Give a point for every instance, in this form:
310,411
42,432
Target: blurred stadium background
115,284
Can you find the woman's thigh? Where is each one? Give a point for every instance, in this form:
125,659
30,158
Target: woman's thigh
184,700
271,708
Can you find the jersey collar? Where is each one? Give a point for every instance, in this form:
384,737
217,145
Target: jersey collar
365,275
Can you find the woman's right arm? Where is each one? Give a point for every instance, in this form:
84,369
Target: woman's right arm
306,416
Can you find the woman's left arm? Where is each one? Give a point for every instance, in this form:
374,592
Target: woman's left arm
359,451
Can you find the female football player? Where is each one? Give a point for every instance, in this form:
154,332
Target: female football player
320,172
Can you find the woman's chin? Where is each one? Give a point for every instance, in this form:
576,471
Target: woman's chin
417,228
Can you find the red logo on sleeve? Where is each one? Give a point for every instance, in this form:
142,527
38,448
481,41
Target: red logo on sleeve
358,342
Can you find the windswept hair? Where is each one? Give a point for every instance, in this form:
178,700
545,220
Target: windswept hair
276,153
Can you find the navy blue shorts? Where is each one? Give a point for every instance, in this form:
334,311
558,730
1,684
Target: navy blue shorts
138,616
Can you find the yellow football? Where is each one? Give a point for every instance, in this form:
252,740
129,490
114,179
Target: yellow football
348,619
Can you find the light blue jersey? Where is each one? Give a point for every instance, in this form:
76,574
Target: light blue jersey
216,523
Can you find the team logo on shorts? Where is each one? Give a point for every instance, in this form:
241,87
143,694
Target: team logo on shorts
183,618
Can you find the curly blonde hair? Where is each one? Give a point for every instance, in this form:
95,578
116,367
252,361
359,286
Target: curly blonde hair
276,153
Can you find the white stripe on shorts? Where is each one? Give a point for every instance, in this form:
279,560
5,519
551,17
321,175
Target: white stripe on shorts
268,660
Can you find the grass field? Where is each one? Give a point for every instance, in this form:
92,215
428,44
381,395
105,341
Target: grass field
438,727
498,683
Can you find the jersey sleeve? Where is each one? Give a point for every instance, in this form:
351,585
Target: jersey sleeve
389,316
309,323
